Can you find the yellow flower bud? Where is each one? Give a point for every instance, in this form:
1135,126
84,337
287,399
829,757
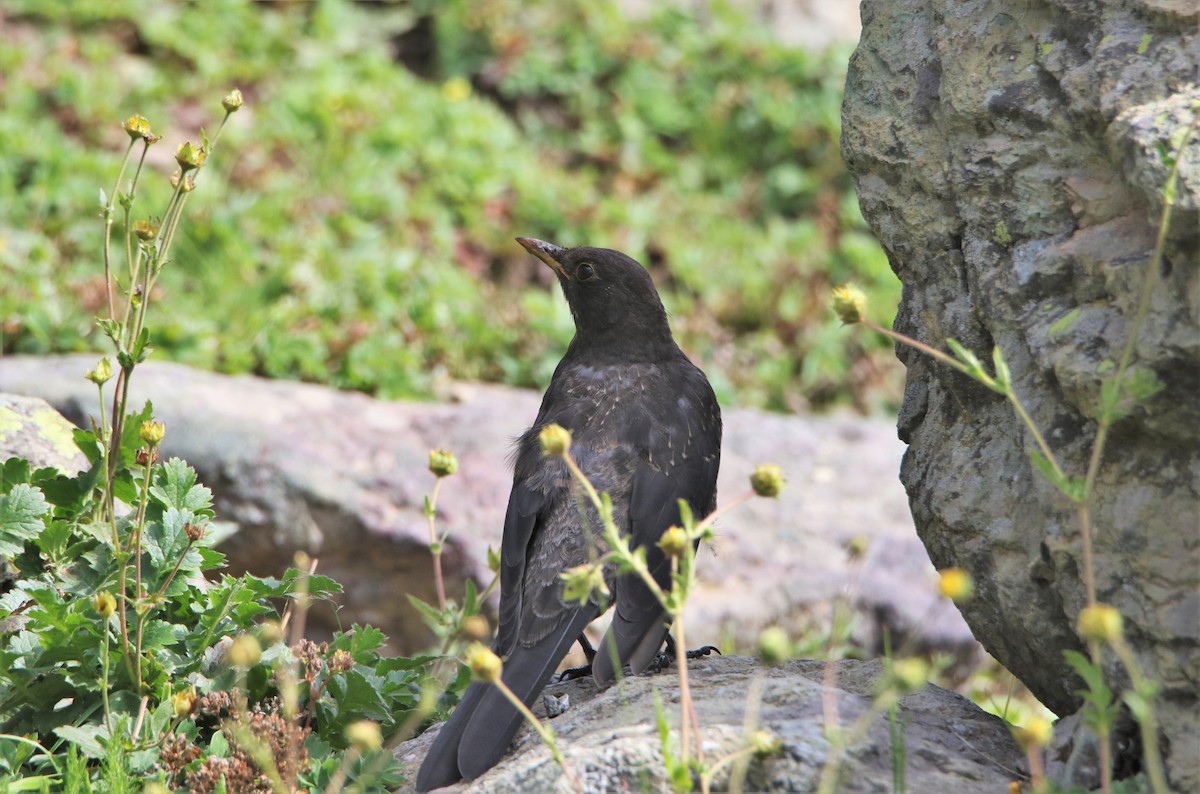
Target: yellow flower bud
849,303
909,675
244,651
233,101
442,462
1101,623
765,743
767,480
137,126
476,627
105,604
145,230
182,703
152,432
364,735
674,542
956,584
556,440
774,647
190,156
485,665
1038,733
456,89
102,373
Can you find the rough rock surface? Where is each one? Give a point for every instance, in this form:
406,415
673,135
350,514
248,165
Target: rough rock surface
30,428
1009,158
343,477
610,739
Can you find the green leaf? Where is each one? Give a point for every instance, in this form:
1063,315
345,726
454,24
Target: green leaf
14,471
357,697
21,511
1003,375
87,738
175,486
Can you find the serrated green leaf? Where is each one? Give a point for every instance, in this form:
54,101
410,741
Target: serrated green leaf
14,471
357,696
21,512
432,615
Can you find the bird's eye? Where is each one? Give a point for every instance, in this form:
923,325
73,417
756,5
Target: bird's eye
585,272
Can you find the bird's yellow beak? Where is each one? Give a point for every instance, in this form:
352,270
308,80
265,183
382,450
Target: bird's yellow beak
547,252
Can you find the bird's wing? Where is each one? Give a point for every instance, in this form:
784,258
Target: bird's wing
525,505
685,468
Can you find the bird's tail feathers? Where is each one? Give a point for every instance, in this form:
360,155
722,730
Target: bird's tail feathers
489,729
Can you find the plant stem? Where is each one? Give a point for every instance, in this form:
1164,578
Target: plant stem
108,208
547,734
435,545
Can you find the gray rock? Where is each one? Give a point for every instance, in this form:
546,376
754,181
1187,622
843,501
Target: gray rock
31,429
610,739
343,477
1008,158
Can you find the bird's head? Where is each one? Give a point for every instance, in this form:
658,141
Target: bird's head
608,292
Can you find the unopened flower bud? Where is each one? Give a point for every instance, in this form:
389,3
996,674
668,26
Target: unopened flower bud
856,547
774,647
270,632
102,373
146,456
194,532
493,560
1037,733
364,735
1100,623
849,303
145,230
442,462
476,627
137,126
767,480
233,101
765,743
956,584
105,604
485,665
244,651
673,542
910,675
556,440
183,703
456,89
152,432
190,156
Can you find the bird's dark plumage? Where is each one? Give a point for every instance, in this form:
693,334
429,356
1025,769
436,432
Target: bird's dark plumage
646,429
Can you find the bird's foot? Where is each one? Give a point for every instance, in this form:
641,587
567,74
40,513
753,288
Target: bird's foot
572,673
667,656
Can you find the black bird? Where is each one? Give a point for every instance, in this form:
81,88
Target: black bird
646,429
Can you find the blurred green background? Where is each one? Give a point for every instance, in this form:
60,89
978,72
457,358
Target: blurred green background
355,226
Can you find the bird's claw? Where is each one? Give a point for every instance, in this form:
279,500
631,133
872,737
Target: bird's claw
572,673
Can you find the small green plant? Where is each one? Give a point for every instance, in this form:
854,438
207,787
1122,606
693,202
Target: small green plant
120,658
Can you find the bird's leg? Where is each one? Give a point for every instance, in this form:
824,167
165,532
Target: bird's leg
571,673
671,653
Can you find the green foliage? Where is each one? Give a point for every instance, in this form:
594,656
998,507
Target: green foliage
367,242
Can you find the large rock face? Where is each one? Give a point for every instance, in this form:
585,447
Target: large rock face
1010,158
